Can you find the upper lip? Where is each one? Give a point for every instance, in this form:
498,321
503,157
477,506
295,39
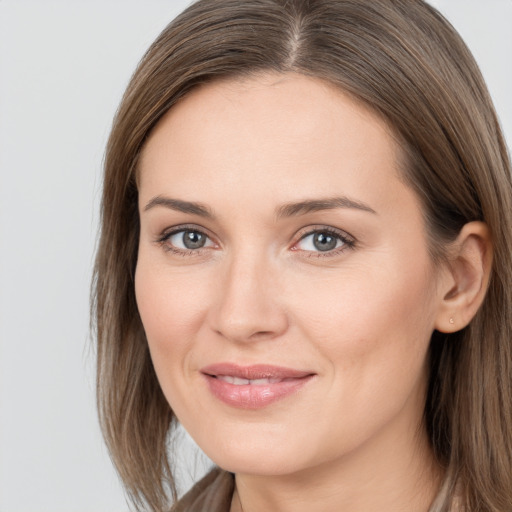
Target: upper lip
253,372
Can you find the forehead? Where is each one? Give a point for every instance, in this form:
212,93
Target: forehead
268,114
268,140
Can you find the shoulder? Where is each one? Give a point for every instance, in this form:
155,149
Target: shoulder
212,493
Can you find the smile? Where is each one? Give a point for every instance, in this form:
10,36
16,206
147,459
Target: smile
253,387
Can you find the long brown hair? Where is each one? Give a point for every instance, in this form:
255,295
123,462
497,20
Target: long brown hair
403,60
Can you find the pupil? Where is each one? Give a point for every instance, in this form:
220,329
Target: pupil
324,242
193,240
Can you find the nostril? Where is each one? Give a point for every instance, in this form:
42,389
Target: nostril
262,334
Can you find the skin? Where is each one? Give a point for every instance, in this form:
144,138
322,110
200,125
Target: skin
359,317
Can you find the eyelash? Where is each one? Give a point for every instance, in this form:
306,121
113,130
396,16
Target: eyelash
163,240
347,241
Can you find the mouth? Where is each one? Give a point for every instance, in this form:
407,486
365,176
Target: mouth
253,387
237,381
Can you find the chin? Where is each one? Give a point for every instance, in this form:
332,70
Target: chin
270,454
264,464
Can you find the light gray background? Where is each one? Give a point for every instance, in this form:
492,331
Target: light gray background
63,67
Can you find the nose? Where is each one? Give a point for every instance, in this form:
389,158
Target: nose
249,304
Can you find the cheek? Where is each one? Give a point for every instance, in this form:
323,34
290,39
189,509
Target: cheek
171,306
373,323
373,334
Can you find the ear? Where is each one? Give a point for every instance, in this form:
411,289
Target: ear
464,284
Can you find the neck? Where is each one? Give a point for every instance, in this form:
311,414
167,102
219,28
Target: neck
387,475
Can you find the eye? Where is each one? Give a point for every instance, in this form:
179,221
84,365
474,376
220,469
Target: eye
324,241
186,240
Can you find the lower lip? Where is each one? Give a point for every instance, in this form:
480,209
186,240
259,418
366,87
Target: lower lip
251,396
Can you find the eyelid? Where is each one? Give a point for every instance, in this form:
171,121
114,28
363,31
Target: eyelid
169,231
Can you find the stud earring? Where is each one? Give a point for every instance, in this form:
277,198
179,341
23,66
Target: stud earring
452,321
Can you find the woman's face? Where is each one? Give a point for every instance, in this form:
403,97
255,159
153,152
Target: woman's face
283,276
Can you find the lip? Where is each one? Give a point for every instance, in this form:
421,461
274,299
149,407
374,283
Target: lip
280,383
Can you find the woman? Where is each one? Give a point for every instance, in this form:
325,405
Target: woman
305,259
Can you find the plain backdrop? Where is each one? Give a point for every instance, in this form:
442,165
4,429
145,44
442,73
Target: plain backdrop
63,67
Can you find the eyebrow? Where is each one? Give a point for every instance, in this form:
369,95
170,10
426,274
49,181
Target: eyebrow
315,205
180,206
286,210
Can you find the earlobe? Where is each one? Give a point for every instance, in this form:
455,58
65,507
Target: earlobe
467,278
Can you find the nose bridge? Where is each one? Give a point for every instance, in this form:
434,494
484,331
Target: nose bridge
248,306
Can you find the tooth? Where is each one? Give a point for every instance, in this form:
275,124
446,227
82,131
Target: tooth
240,382
260,382
264,382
